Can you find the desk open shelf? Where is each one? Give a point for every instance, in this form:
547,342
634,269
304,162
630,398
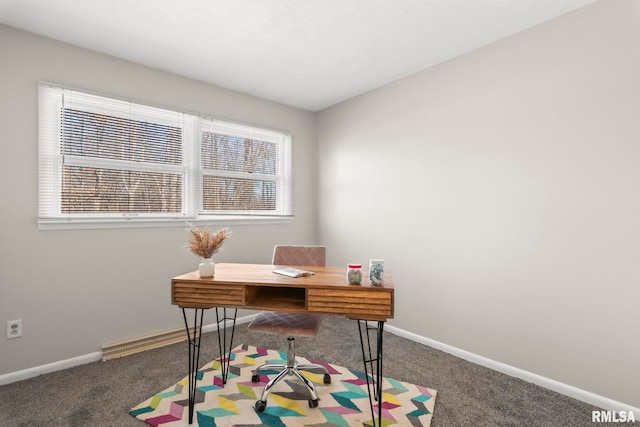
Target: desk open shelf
275,298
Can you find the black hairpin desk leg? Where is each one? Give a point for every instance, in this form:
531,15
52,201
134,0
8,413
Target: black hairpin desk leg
225,351
194,354
372,365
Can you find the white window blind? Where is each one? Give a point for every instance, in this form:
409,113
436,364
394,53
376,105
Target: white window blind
244,170
107,160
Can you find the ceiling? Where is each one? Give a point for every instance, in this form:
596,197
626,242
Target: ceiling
308,54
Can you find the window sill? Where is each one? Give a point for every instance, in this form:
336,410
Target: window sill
93,224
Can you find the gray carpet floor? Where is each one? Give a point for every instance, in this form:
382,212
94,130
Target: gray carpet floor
102,393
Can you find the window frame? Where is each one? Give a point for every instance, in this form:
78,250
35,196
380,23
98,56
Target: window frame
50,217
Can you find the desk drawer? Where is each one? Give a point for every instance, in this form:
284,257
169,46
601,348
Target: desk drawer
365,304
206,295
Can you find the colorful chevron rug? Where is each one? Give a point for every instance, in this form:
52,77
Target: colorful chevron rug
343,403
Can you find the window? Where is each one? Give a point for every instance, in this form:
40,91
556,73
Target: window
106,161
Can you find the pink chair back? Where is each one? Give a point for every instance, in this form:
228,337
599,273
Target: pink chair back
299,255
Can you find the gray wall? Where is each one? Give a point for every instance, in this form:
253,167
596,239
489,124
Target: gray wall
501,188
77,290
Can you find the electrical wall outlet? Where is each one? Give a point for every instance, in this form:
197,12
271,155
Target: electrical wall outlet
14,329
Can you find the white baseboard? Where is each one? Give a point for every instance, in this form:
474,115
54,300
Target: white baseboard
25,374
558,387
239,321
12,377
567,390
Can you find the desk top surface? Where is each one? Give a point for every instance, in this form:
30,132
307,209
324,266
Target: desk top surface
262,274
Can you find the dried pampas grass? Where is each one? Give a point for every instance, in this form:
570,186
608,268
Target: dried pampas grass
204,243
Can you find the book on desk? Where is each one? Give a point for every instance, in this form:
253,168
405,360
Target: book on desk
293,272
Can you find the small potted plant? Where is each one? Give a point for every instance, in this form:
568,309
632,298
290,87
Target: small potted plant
205,244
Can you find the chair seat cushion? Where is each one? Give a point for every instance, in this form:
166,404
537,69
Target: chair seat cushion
290,324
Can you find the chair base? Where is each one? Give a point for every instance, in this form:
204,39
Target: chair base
291,368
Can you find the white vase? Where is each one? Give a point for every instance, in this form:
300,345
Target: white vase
207,268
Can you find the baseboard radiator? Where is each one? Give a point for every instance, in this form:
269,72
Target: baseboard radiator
137,345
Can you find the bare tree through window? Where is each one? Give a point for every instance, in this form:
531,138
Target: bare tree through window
130,143
225,154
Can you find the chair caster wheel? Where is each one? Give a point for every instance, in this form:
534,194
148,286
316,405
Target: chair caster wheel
313,403
327,379
260,405
255,378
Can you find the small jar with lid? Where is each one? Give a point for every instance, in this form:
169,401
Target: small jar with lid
376,271
354,274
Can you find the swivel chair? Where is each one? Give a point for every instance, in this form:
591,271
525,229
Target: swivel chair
291,325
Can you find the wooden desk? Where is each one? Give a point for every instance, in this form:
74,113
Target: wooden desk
256,287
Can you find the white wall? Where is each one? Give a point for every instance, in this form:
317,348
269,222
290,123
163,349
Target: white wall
77,290
501,188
